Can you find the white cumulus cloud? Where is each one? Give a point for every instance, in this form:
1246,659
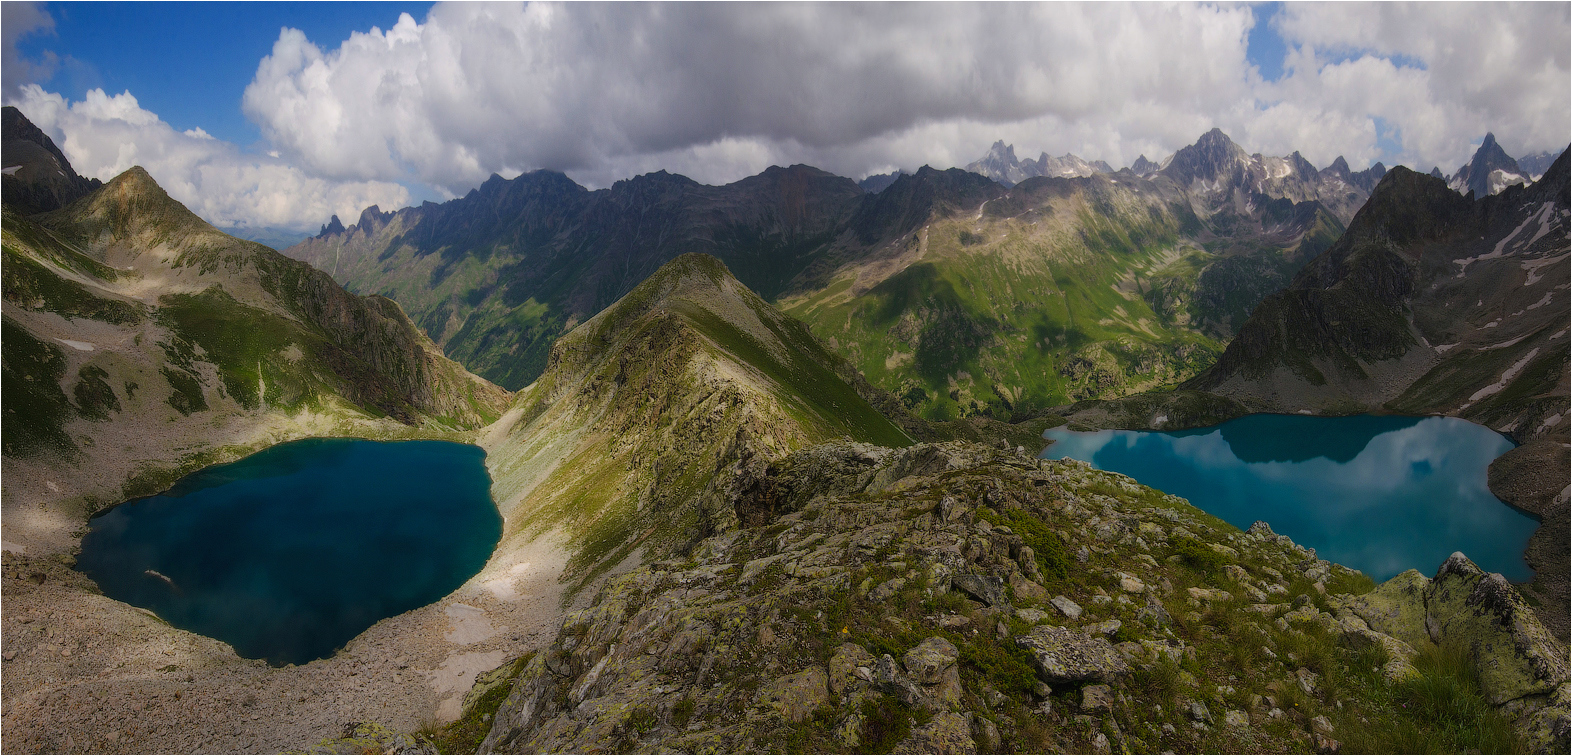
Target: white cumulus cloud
602,90
103,135
720,91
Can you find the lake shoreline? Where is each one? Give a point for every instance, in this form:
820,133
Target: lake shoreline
1538,489
86,673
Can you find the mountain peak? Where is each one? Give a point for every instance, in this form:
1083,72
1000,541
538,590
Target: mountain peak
1214,137
133,204
39,178
1489,171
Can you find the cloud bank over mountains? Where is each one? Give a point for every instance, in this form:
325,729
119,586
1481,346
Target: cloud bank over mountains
718,92
104,135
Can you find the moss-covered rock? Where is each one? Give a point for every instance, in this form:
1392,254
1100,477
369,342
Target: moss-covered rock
1481,612
1396,608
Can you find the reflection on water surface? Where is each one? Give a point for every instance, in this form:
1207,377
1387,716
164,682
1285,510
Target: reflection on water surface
1379,494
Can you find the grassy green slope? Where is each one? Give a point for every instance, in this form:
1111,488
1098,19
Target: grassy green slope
140,343
998,316
652,411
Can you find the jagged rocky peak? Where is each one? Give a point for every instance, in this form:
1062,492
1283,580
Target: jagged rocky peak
1001,165
1537,163
1339,168
373,217
1436,171
1143,167
334,226
1489,172
1213,155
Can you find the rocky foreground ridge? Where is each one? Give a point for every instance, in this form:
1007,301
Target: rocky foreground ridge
954,598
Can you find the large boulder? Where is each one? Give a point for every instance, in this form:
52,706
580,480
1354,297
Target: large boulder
947,732
1515,654
931,664
984,588
1396,608
797,696
1064,655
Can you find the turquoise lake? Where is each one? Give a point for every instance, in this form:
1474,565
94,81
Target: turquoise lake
1379,494
289,553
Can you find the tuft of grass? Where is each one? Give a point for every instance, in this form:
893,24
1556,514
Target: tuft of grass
1052,557
1443,710
1198,555
886,722
1158,682
1352,582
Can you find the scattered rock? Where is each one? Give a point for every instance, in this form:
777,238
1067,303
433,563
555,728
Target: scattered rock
1100,744
1396,608
1031,616
1307,680
1154,614
1199,712
984,588
947,732
796,696
887,589
1064,655
1236,718
928,661
1027,590
1097,698
1210,594
1106,628
844,664
1067,607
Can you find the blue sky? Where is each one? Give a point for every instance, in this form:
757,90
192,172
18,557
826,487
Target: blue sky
189,62
316,109
1266,46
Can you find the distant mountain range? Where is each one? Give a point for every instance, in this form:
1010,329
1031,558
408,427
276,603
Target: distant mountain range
1001,165
1489,172
1428,304
1134,282
879,182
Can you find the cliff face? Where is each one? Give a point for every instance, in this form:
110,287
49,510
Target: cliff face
140,343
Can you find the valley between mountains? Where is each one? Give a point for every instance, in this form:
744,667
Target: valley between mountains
765,456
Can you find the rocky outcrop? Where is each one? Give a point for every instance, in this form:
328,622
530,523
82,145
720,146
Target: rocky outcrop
1522,667
856,619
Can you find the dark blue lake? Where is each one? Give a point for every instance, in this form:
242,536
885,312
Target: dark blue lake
1379,494
291,552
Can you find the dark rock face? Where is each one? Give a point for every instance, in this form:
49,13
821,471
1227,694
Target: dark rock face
43,178
1423,282
879,182
989,590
